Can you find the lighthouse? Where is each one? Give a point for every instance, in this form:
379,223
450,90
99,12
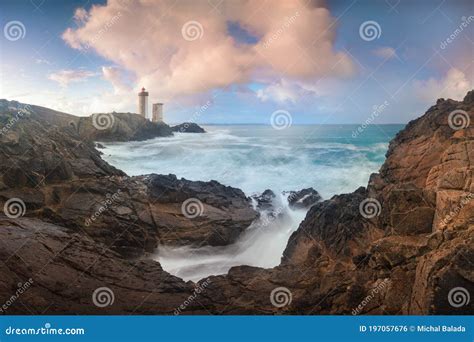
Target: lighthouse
143,103
157,114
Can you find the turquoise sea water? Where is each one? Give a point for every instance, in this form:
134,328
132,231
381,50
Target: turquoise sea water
330,158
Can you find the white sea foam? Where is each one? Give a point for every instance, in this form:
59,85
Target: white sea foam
252,159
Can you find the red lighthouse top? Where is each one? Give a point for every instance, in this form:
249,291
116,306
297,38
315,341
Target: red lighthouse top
143,88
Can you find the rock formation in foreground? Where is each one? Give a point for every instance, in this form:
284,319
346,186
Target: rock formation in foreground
402,245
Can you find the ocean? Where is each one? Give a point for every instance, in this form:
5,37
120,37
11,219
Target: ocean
332,159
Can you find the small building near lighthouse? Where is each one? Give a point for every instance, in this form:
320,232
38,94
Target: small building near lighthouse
157,114
143,103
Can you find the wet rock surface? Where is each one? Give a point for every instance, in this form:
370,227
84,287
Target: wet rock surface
406,241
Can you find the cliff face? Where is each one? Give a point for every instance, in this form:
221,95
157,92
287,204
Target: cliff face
399,246
404,242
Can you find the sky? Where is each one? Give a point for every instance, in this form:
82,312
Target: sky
239,61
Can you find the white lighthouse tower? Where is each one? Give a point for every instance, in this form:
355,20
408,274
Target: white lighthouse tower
143,103
157,112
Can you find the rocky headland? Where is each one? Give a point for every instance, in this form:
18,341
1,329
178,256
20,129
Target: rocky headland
398,246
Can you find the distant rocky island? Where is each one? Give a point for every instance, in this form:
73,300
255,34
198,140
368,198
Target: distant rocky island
398,246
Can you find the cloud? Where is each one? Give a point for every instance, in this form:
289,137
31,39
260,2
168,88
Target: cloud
454,85
385,52
285,91
80,15
64,77
294,40
117,78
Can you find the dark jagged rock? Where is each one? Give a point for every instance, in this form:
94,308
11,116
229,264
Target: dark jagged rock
303,199
265,200
62,179
64,269
408,252
188,127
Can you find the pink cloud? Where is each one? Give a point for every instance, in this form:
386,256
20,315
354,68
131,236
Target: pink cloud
148,38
